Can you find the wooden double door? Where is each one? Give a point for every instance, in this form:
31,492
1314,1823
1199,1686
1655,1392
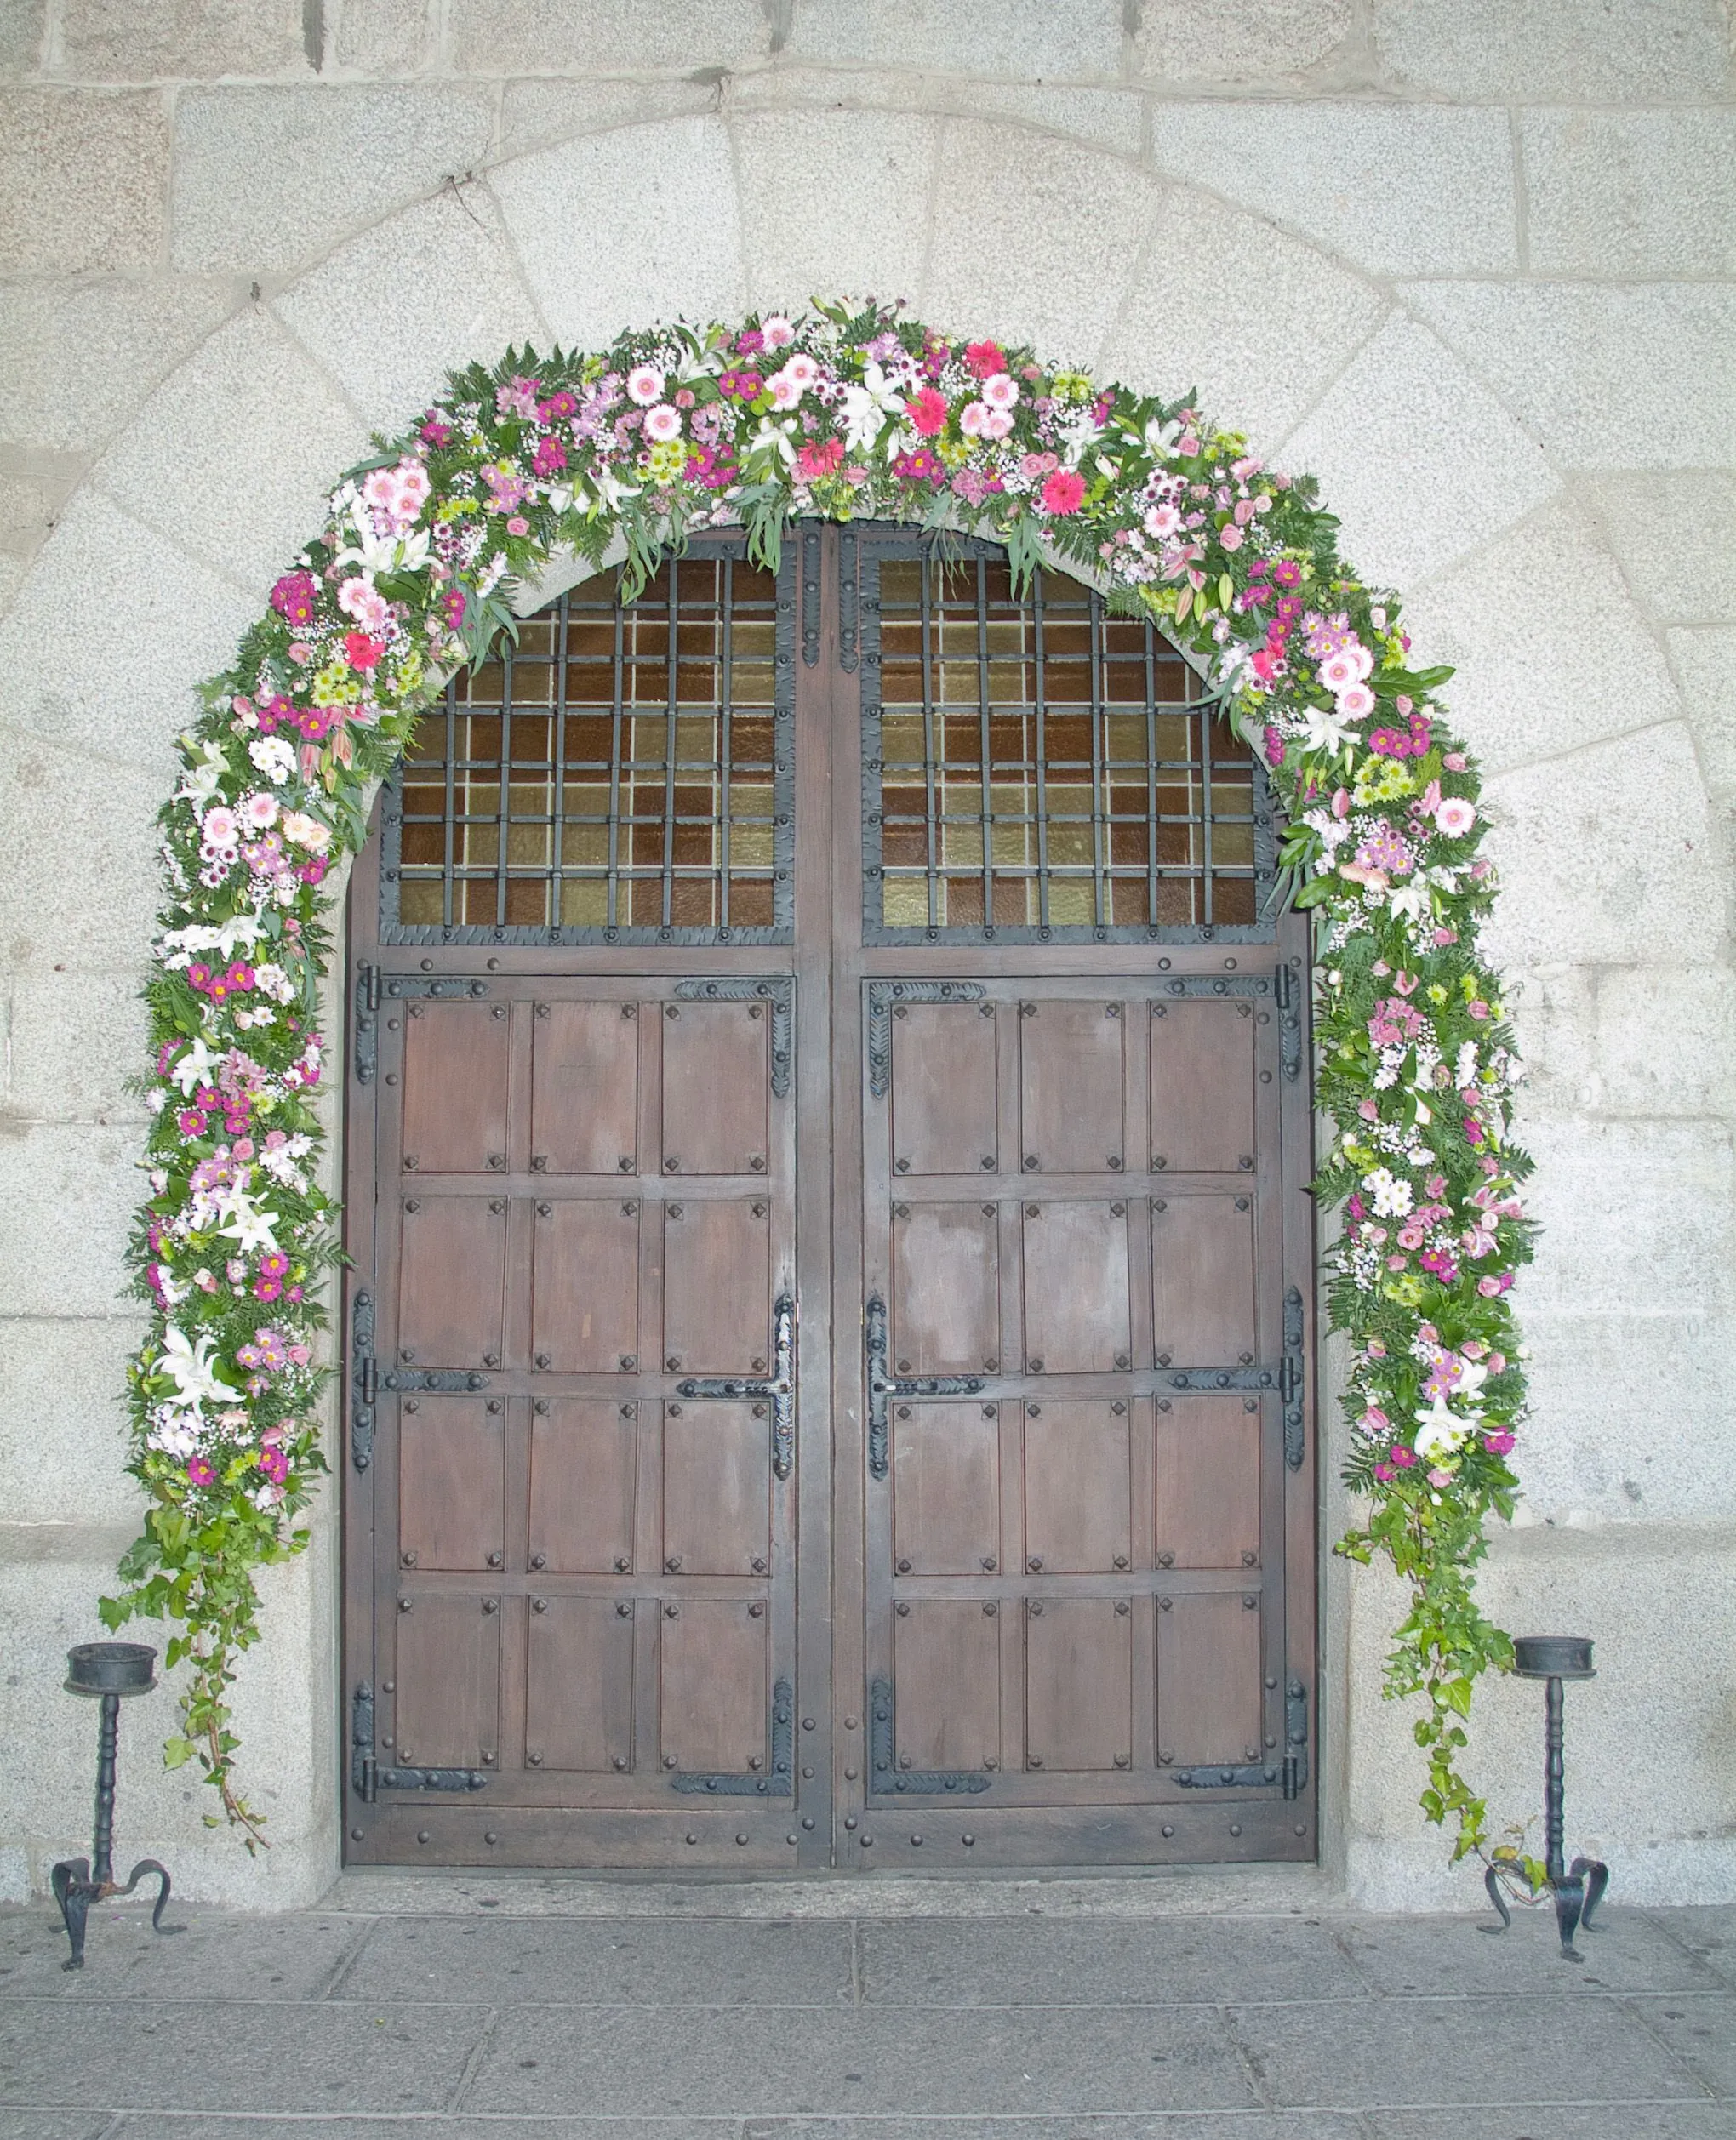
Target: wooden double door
829,1344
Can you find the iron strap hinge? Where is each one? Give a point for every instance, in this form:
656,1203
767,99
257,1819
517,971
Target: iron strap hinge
1289,1772
779,1781
778,1390
882,1386
884,1773
884,998
776,990
366,1049
367,1777
1290,1380
1287,986
364,1380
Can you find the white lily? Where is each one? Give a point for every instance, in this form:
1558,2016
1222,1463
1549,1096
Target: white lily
610,487
247,1226
1325,730
241,932
775,435
188,1365
194,1068
1160,438
868,407
1412,900
376,553
203,781
1439,1430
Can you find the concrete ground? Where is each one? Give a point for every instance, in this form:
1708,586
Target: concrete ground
539,2009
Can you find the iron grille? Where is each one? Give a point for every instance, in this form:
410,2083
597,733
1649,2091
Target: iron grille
623,774
1040,770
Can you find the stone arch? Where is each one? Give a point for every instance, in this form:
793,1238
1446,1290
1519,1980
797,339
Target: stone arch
219,470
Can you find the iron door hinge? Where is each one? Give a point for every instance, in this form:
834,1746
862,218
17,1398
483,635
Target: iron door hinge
778,990
364,1380
810,596
882,1386
780,1781
1288,985
1290,1380
1295,1739
883,997
778,1390
368,1779
366,1049
884,1773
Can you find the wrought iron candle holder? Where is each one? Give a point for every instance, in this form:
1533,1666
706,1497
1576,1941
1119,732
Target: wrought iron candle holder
107,1672
1578,1889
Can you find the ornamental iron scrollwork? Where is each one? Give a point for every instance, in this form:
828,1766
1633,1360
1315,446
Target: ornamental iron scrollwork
779,1781
777,1390
887,1776
883,996
778,990
882,1386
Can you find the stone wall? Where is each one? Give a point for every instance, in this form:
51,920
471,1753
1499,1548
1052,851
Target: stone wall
1469,260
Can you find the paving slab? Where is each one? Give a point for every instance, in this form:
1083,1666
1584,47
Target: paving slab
1558,2121
1702,2032
1411,1957
1113,1962
1709,1934
1182,2124
233,2056
608,1961
888,2064
1492,2052
211,1955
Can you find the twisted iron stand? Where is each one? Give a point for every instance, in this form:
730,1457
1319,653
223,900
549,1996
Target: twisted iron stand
107,1672
1579,1890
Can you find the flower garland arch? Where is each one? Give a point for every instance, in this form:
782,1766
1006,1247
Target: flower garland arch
842,413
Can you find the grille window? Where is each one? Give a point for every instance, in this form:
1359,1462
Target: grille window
1039,768
622,775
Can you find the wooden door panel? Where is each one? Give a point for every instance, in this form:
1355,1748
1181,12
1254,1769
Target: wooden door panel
1206,1481
1078,1684
451,1482
717,1489
947,1487
1209,1702
1203,1252
715,1083
945,1288
1077,1315
448,1679
585,1284
455,1088
1202,1085
452,1281
584,1471
1078,1487
943,1089
578,1685
717,1286
1071,1058
714,1687
946,1660
585,1088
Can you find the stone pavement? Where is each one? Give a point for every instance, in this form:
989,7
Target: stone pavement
537,2009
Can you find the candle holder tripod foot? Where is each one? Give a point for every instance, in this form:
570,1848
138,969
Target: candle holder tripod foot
74,1890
